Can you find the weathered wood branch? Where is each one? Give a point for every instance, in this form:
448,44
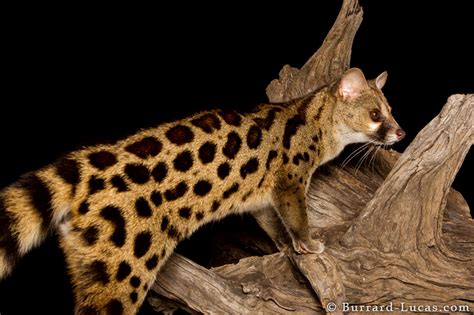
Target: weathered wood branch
394,231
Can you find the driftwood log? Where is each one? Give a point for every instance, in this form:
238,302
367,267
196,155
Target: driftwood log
395,232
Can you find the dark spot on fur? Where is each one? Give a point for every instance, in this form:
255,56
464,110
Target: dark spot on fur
199,215
318,113
118,182
215,206
97,272
315,139
290,176
248,168
123,271
183,161
173,232
114,215
260,183
202,188
102,159
90,235
233,189
306,156
163,253
176,192
180,135
254,137
291,127
159,172
152,262
297,158
96,184
134,297
68,170
312,148
143,208
156,198
135,281
147,147
8,241
114,307
232,145
231,117
39,195
301,182
207,152
185,212
223,170
138,173
271,156
248,194
164,222
83,208
207,122
285,158
267,122
142,244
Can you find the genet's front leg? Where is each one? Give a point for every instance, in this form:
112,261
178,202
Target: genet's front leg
290,203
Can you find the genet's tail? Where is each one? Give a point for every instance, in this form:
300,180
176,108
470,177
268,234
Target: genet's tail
30,209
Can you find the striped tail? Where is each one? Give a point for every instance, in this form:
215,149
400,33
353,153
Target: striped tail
32,207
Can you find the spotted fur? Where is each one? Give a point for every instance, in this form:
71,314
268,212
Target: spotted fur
122,208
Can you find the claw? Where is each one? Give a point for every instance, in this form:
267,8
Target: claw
316,247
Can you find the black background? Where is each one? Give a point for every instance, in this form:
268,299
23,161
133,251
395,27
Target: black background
78,76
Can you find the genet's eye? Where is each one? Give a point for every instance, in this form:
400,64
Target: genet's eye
376,115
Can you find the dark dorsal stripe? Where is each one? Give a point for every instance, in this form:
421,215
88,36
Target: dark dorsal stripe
68,170
291,127
147,147
102,159
180,135
207,122
232,146
266,123
40,196
231,117
114,215
8,239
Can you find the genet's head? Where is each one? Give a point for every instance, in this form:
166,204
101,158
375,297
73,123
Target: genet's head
362,111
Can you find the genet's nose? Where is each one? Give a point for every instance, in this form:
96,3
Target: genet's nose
400,133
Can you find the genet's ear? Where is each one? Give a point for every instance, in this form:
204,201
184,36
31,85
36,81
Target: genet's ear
381,79
352,84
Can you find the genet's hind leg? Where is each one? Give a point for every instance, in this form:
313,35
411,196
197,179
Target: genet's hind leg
110,274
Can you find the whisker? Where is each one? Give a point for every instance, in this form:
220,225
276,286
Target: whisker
354,154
